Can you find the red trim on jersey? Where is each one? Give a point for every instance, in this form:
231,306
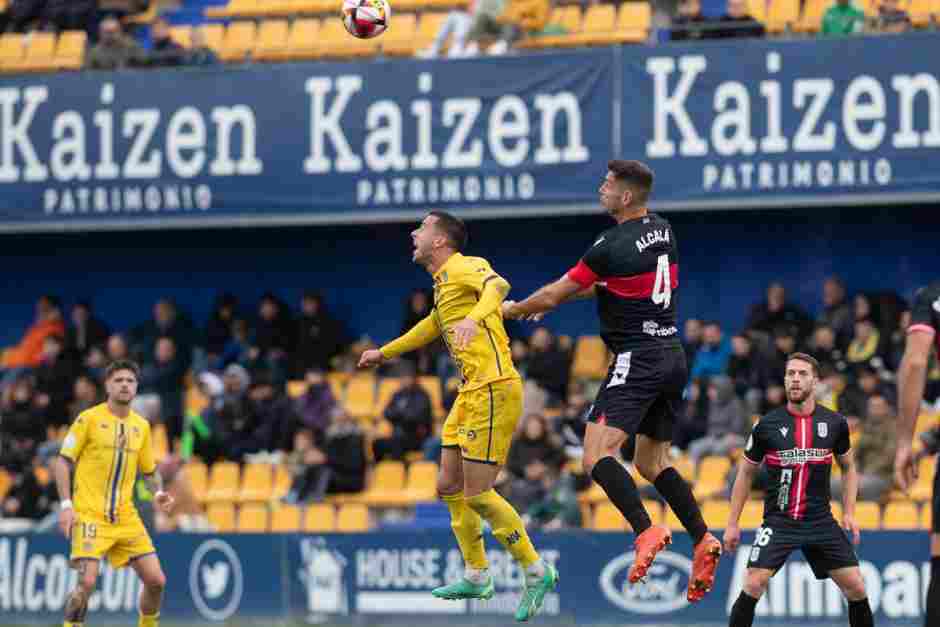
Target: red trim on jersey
640,285
582,275
921,327
803,436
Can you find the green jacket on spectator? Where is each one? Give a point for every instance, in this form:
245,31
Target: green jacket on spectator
843,18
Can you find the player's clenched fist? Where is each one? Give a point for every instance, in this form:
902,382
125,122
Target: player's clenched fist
370,358
732,538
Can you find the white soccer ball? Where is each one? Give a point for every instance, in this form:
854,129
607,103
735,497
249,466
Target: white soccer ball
366,19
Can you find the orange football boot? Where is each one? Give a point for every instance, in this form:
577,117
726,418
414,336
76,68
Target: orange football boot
646,546
704,564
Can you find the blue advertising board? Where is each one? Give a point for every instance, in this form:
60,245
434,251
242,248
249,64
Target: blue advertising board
387,577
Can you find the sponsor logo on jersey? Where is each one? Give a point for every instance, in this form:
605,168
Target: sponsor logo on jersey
652,328
802,455
784,431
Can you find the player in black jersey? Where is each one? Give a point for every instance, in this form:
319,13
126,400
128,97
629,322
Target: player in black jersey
921,337
633,271
797,444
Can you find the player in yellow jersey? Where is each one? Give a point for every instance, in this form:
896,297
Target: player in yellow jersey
105,447
477,434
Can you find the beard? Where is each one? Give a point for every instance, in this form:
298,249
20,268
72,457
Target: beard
798,396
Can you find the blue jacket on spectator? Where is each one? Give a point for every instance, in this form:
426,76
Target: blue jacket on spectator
710,360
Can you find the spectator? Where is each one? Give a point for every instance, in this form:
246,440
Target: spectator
690,23
28,353
86,331
163,50
892,18
693,338
122,8
775,312
571,426
85,395
114,49
547,371
23,13
28,497
456,26
71,14
274,338
344,446
486,23
520,356
167,321
200,54
862,308
230,418
417,308
558,508
749,371
736,22
321,337
238,348
160,394
843,18
727,421
55,378
95,362
784,345
316,405
533,455
712,358
824,348
874,453
219,328
775,398
836,313
865,347
409,412
21,426
273,413
694,420
310,475
898,340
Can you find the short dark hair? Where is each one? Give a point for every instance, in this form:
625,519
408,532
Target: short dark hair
808,359
636,174
453,227
122,364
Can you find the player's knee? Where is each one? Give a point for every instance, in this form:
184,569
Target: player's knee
156,582
755,584
588,462
649,469
86,584
854,588
448,485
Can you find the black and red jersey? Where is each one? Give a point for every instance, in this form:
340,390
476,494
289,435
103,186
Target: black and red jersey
797,451
925,315
635,266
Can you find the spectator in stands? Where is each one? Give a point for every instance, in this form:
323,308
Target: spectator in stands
520,356
775,398
229,417
85,394
28,498
824,348
712,358
219,328
895,350
238,348
274,338
874,453
334,464
321,337
168,321
842,18
410,413
21,425
22,14
200,54
736,22
776,311
558,507
417,308
486,23
160,393
535,453
892,18
750,372
55,378
547,372
456,26
28,353
114,49
95,362
784,345
570,426
865,347
692,339
70,14
273,413
122,8
694,419
689,24
837,312
727,421
86,330
315,406
309,473
163,50
863,310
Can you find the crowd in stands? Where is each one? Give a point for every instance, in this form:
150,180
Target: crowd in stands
268,383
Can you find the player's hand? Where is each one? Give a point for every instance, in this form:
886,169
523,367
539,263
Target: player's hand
164,501
370,358
850,526
905,470
464,332
732,538
509,312
66,521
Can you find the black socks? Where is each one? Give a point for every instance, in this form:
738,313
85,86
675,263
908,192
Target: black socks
622,492
679,496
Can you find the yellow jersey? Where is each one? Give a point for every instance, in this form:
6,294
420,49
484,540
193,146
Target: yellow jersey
107,452
457,288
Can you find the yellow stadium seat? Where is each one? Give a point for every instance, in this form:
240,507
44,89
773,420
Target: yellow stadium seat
568,18
387,485
594,494
608,518
183,35
633,22
684,467
253,518
295,389
145,17
711,476
285,519
214,34
161,444
922,490
782,15
257,482
752,516
6,482
239,41
868,515
399,40
672,521
40,52
716,514
313,6
427,28
654,509
235,8
198,476
335,43
757,9
320,518
590,357
223,482
282,481
901,515
12,52
270,45
836,508
599,23
811,18
352,517
432,385
221,517
421,483
360,391
926,516
336,380
387,389
70,53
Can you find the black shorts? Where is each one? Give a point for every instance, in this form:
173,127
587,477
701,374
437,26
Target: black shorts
825,545
935,525
643,392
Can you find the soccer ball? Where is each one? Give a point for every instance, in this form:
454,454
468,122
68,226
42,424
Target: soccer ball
366,19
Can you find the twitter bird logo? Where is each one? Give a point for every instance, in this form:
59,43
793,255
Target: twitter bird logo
215,579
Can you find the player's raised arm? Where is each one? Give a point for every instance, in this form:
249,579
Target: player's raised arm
425,332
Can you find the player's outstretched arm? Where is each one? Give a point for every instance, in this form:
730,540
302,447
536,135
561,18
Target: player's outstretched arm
739,495
912,375
849,493
425,332
544,299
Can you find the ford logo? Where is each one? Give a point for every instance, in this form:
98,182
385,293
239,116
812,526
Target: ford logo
663,591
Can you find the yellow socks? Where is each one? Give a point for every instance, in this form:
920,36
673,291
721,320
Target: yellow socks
507,525
468,528
152,620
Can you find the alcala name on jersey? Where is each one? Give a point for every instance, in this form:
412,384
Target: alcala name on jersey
656,236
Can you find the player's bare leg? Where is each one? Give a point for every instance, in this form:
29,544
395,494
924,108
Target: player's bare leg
755,584
652,461
852,584
151,575
77,605
933,591
468,529
507,526
601,446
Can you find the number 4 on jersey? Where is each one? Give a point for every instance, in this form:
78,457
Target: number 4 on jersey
662,288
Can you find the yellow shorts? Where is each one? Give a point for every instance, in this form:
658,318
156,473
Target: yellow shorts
119,543
482,421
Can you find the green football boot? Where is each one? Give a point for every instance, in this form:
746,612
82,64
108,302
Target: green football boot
465,589
534,594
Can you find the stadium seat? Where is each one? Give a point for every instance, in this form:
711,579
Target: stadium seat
608,518
868,515
711,476
257,483
320,518
399,40
716,513
684,467
315,7
752,516
926,516
594,494
387,389
590,358
223,482
6,482
183,35
360,391
221,517
426,31
432,385
922,490
421,483
566,17
198,476
40,53
782,15
239,41
599,23
335,43
252,518
352,517
757,9
285,519
214,34
336,380
587,516
282,481
235,8
145,17
654,509
70,52
901,515
672,521
633,22
12,51
161,444
387,487
271,44
811,19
